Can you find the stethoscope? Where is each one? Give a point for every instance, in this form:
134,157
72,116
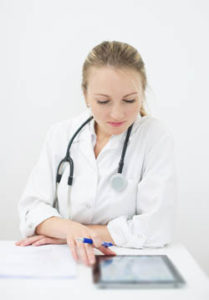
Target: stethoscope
118,181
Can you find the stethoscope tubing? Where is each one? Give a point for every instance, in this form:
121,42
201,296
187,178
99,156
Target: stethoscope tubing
67,159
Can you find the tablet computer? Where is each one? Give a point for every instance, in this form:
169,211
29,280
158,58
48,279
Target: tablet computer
136,271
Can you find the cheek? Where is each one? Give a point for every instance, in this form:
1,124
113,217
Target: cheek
133,109
98,112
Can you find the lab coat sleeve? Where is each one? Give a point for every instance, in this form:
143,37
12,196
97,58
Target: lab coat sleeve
35,205
154,222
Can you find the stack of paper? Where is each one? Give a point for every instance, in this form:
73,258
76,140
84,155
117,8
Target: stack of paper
48,261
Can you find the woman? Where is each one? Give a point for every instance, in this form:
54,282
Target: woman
135,211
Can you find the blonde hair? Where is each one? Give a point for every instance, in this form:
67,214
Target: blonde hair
116,54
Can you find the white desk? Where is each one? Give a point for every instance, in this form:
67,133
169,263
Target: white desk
197,287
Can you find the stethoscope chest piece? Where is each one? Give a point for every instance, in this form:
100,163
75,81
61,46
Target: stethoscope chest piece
118,182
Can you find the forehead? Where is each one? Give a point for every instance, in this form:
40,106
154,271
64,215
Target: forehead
110,79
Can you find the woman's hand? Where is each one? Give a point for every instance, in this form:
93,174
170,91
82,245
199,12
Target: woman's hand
80,250
38,240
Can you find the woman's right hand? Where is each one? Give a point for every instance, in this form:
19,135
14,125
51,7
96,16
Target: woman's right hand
82,251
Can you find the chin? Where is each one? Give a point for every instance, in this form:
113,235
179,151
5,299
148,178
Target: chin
117,131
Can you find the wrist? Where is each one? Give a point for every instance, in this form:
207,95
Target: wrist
68,225
102,232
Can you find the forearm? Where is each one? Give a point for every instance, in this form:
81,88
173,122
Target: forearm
58,227
54,227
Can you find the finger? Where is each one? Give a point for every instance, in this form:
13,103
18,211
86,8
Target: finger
97,242
40,242
90,254
82,252
33,237
58,241
72,245
47,240
20,241
106,250
29,240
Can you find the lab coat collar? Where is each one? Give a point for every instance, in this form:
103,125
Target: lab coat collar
115,137
88,132
87,137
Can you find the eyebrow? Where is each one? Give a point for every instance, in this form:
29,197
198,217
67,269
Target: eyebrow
123,96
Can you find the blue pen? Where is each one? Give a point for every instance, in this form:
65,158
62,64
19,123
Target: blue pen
90,241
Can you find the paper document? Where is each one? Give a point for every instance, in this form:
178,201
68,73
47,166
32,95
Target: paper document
47,261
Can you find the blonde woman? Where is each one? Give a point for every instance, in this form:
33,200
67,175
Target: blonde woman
108,174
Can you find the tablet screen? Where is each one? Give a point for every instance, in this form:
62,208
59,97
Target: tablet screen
129,269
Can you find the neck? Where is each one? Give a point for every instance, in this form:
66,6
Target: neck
101,135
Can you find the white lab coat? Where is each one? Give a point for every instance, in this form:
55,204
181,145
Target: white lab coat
140,216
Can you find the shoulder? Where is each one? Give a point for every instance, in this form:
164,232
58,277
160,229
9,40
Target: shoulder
64,128
152,130
153,126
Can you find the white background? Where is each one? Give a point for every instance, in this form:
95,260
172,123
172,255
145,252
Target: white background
43,44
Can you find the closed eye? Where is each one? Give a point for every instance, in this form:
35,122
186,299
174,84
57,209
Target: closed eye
129,101
102,102
126,101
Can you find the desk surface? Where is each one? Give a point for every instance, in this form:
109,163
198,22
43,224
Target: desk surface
197,283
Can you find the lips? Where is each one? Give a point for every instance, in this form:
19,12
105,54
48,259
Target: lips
116,124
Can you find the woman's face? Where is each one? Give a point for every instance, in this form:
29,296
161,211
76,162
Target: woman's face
114,96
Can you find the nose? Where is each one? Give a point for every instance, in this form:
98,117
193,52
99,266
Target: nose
117,113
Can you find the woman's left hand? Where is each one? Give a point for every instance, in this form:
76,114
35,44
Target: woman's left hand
38,240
